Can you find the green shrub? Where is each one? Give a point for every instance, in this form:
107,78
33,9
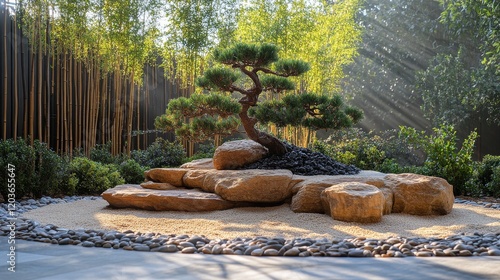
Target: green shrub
354,146
132,172
93,177
485,180
367,150
493,186
444,159
160,153
39,170
102,153
203,151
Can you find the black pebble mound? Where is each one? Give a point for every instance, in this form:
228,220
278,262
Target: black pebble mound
303,161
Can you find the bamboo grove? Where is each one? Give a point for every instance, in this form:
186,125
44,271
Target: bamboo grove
83,72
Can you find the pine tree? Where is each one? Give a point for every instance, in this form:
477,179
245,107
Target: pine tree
251,70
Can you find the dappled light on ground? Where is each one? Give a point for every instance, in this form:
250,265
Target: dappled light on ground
277,221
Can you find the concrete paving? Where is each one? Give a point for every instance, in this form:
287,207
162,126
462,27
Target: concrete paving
36,260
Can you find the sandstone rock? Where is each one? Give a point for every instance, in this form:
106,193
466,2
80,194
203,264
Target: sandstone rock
307,194
203,163
389,199
420,195
172,176
193,200
195,178
354,202
253,185
235,154
158,186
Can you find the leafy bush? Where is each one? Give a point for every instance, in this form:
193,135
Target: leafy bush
444,159
486,177
204,151
93,177
38,170
161,153
367,150
102,153
132,172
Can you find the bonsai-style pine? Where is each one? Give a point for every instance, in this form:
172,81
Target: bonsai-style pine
251,70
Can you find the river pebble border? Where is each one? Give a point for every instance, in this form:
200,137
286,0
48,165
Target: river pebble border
463,244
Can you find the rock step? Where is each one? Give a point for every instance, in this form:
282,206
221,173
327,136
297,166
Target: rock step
191,200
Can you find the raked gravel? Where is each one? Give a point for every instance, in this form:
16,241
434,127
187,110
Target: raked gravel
471,229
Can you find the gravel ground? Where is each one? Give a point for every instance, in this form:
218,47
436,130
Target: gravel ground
278,221
472,229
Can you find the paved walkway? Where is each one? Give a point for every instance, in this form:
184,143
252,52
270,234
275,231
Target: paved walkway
39,261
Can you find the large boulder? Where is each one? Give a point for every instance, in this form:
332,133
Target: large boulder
307,193
389,199
235,154
195,178
266,186
172,176
420,195
354,202
192,200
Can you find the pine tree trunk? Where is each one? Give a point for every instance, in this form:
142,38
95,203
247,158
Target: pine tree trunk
273,144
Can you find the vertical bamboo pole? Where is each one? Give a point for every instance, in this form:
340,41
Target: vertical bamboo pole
32,97
70,102
130,113
58,105
65,103
16,98
39,88
104,124
5,77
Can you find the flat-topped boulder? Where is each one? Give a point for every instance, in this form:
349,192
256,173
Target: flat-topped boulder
235,154
307,191
254,185
172,176
157,186
420,195
353,202
202,163
191,200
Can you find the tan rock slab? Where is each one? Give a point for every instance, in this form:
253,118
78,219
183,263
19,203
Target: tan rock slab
203,163
252,185
420,195
195,178
234,154
158,186
389,199
191,200
307,194
354,202
172,176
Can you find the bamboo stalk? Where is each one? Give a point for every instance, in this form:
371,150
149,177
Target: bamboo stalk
32,98
39,89
65,103
130,113
5,78
16,97
70,101
58,105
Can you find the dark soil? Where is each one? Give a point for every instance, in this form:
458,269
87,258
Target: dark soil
302,161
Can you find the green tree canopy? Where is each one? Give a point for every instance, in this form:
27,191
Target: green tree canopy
254,69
